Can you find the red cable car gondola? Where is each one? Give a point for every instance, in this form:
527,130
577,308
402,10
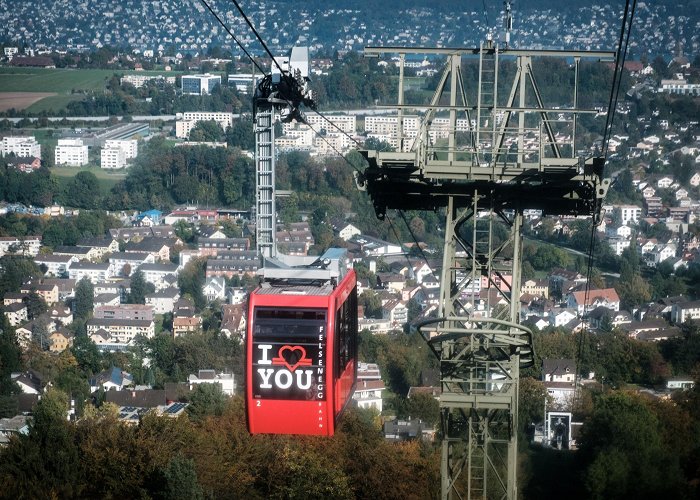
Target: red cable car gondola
301,347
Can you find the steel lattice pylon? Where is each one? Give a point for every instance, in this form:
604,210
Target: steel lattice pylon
512,156
265,216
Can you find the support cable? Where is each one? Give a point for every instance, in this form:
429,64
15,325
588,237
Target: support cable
623,44
337,127
223,25
415,240
257,35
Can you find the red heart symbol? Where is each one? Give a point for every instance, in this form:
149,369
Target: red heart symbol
291,350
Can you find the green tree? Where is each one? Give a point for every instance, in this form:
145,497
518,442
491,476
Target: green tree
206,399
15,271
532,395
423,406
372,304
83,191
84,298
36,305
206,131
617,463
191,280
139,288
633,291
178,480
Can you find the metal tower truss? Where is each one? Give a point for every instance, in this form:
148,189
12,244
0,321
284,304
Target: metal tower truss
279,94
265,182
507,155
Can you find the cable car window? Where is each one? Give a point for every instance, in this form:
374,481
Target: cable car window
289,348
346,333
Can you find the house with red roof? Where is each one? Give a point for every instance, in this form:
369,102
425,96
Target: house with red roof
584,301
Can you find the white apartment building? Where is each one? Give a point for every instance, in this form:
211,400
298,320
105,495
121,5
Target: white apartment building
346,123
685,311
368,394
28,245
387,126
122,331
56,265
331,144
189,119
628,213
111,158
679,87
141,80
129,146
71,152
225,380
21,146
94,272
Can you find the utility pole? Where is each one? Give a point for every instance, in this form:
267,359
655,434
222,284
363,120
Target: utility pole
517,154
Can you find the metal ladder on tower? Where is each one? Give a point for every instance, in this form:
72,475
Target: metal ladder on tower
487,99
477,459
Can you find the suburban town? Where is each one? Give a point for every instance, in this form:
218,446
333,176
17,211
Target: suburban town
129,247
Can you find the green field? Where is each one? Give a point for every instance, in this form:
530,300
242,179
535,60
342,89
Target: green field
107,179
54,103
62,81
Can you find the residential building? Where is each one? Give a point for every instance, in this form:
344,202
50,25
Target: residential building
16,313
112,158
231,268
139,81
538,288
48,292
199,84
60,340
408,430
559,377
56,265
214,288
127,234
396,312
584,302
80,253
125,311
189,120
129,146
125,263
368,371
157,274
233,321
183,325
684,311
112,379
100,246
224,380
368,394
163,301
122,331
28,245
159,248
345,230
23,146
94,272
561,317
71,152
26,164
211,247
